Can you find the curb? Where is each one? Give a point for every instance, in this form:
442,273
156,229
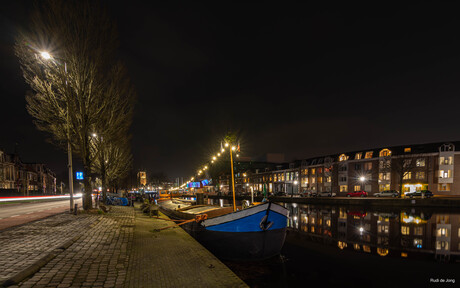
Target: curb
32,269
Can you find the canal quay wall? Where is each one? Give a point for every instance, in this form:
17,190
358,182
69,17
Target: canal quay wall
441,202
122,248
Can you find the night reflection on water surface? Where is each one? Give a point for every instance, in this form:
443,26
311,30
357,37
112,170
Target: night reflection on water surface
351,246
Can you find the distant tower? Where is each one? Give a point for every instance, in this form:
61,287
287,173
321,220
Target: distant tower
142,178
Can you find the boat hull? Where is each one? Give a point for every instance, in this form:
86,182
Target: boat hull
255,233
240,246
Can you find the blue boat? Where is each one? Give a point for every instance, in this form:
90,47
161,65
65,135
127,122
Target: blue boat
255,233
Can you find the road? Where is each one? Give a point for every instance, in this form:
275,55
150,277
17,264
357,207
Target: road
20,213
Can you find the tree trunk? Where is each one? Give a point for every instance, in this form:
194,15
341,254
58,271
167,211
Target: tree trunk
87,199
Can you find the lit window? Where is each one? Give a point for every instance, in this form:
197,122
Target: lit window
420,175
407,175
407,150
313,180
418,243
343,188
358,155
320,179
405,230
420,162
368,166
442,232
418,231
328,179
445,173
442,245
385,152
368,154
445,160
357,188
313,171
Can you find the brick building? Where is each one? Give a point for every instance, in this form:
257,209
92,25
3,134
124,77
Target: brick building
433,166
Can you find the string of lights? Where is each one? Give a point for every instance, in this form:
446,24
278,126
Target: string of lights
214,158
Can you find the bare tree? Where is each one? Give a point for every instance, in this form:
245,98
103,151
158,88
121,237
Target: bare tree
71,90
405,167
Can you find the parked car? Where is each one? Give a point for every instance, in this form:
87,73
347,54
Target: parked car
309,194
326,194
280,193
387,193
425,193
357,194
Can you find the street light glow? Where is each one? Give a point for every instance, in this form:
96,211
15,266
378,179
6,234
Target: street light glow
362,178
45,55
233,148
226,144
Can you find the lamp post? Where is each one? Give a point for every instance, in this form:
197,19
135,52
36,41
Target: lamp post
233,176
45,55
362,179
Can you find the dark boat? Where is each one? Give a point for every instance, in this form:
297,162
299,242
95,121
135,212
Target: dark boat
255,233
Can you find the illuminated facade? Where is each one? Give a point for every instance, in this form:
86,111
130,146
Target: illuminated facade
142,178
18,178
434,167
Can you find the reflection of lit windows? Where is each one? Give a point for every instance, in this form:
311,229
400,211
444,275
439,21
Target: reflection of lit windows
328,179
313,180
356,246
312,229
383,229
328,222
341,244
442,232
382,240
382,251
405,230
366,249
418,231
404,254
418,243
312,220
442,245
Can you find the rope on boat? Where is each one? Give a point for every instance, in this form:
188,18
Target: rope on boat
198,219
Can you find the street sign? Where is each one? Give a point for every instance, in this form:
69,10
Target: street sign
79,175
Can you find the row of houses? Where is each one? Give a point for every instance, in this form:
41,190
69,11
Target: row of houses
434,167
19,178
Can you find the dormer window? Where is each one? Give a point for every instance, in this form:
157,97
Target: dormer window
358,155
343,157
385,152
447,147
407,150
369,154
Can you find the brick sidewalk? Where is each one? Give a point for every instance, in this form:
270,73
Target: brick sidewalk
120,249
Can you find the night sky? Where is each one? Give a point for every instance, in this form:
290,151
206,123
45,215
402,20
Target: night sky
288,78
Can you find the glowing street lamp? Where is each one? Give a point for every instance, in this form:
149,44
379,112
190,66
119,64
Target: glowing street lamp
47,56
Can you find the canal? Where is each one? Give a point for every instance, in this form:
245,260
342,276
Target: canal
352,246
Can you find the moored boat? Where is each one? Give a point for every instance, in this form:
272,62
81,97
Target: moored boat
257,232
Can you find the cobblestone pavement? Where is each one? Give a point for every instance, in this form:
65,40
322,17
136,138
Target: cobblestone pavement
121,249
22,246
173,258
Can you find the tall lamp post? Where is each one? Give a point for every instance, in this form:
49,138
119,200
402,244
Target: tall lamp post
363,180
47,56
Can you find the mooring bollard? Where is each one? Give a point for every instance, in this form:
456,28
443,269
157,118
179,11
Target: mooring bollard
75,209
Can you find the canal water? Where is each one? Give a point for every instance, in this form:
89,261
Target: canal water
350,246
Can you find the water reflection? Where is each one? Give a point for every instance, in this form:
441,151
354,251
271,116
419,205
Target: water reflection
413,233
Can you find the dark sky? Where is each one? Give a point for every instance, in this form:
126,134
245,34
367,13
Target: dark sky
293,78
